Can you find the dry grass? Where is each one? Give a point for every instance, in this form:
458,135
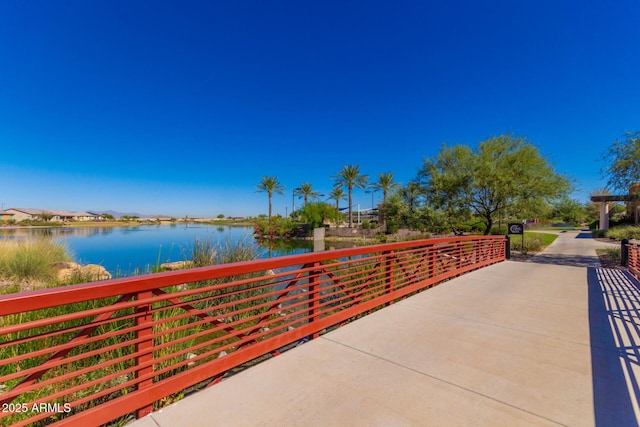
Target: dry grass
27,263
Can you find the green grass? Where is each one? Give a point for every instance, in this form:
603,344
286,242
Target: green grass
533,242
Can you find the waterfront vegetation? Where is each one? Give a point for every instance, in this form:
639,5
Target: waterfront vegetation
29,262
171,327
631,232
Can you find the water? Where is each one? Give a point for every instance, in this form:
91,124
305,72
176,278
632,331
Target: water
123,250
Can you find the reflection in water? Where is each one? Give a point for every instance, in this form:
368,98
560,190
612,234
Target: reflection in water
125,250
52,231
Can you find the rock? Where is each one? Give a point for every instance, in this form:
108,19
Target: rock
177,265
191,356
66,271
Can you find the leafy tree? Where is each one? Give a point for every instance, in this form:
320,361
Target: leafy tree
623,162
504,173
305,191
350,177
393,211
315,214
220,216
569,210
45,216
445,181
385,183
270,185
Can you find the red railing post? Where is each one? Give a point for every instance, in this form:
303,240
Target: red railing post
388,273
314,296
146,347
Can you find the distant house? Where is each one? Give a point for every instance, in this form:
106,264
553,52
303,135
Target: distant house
6,216
22,214
97,216
85,216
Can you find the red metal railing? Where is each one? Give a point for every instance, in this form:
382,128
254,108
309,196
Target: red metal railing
91,353
633,260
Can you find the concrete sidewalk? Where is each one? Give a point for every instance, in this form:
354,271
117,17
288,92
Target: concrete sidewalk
553,341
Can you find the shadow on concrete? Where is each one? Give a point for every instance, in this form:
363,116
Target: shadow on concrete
568,260
614,327
584,235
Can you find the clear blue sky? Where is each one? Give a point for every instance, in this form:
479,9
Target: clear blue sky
180,107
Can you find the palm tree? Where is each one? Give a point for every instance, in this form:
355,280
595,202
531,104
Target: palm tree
385,183
306,190
350,177
270,185
337,194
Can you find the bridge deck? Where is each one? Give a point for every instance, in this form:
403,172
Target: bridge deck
553,341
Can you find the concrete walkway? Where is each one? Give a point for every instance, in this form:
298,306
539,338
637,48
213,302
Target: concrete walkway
553,341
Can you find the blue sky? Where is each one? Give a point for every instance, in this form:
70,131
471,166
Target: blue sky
180,107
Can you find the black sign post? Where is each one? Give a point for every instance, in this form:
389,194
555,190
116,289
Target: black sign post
517,228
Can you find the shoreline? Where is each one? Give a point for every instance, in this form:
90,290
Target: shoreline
107,224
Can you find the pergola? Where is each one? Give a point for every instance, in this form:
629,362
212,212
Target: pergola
633,203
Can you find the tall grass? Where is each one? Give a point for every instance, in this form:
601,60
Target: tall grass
620,232
206,252
172,328
30,260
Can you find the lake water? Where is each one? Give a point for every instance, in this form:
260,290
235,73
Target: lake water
123,250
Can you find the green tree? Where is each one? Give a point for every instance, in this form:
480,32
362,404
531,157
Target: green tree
270,185
385,183
350,177
45,216
504,173
569,210
410,195
305,191
393,211
622,166
315,213
337,194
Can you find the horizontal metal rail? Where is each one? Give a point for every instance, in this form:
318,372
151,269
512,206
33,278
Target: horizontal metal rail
91,353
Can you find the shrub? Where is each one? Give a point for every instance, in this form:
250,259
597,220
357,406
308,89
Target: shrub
614,253
624,232
392,226
30,259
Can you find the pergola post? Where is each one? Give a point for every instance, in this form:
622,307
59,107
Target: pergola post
604,216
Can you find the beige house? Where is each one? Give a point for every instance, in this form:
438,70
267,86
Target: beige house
21,214
6,216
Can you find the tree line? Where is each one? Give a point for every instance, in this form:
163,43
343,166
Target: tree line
460,187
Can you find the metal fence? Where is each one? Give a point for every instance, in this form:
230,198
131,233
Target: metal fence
91,353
